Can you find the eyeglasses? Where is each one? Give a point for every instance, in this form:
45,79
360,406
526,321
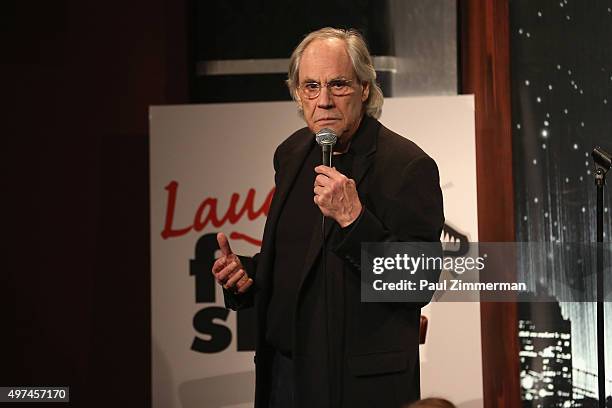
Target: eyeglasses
338,87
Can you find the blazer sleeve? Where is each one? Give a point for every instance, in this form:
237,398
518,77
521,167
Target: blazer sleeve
413,212
237,301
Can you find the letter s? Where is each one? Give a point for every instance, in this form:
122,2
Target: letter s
220,336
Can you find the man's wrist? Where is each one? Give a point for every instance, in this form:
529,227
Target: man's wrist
352,219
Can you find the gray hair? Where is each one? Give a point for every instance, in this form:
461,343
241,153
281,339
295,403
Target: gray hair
360,58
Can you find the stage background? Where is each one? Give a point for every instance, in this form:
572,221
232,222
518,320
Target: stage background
561,54
200,156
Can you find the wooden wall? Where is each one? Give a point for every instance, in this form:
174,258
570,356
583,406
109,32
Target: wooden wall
485,65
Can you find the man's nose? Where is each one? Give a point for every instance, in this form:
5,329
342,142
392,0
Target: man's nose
325,100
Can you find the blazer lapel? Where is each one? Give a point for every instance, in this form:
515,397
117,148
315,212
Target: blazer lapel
364,148
288,168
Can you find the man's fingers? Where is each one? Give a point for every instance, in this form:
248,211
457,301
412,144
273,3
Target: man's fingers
219,264
242,287
223,244
223,261
235,277
328,171
228,269
227,272
318,190
242,281
322,180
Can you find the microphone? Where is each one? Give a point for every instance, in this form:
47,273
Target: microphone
601,157
326,138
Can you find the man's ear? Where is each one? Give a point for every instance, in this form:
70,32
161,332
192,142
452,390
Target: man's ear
296,94
366,91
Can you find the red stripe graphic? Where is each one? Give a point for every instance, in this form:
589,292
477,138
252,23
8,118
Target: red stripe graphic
251,240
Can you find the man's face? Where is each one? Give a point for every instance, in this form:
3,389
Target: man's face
325,61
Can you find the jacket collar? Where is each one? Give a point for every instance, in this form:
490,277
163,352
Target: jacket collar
363,147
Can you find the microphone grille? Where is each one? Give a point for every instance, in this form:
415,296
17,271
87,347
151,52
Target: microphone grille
326,137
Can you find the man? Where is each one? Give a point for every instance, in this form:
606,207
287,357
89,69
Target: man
318,345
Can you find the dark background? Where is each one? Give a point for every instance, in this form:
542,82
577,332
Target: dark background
561,54
77,80
246,29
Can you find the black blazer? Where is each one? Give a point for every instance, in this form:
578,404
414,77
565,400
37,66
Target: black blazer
398,185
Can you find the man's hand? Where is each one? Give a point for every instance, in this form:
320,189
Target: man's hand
228,269
336,196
